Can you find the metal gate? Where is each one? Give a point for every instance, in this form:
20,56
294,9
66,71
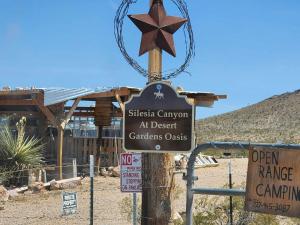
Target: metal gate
190,177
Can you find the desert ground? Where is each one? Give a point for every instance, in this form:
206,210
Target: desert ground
45,208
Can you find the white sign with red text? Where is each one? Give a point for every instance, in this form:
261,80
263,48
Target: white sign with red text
131,172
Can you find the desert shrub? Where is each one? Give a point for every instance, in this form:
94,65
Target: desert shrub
126,205
215,211
127,209
4,175
293,221
18,152
262,219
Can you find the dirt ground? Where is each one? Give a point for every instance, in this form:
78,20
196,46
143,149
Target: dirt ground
45,208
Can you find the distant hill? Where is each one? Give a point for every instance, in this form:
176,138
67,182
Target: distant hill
276,119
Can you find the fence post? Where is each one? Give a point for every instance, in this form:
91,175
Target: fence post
74,167
30,178
92,190
45,175
134,209
40,176
230,197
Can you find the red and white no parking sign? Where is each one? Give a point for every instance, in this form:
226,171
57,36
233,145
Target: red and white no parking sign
131,172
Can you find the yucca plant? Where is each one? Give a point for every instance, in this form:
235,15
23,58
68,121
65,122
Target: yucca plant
18,152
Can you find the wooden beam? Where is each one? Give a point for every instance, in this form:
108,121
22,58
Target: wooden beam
84,114
118,113
16,102
23,113
46,112
81,108
127,91
203,103
206,98
70,113
122,106
123,91
222,96
191,101
94,96
19,92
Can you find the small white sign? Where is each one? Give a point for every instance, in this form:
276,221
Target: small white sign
131,172
69,203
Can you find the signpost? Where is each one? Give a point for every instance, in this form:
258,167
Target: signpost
91,189
158,184
273,182
69,203
158,120
131,178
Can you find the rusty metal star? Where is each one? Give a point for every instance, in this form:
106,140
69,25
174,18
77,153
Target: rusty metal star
157,28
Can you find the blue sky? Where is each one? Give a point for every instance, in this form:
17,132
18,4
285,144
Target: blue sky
249,50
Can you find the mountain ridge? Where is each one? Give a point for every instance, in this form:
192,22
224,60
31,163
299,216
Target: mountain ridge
275,119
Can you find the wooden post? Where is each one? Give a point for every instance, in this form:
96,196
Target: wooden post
60,142
99,147
158,184
155,65
60,136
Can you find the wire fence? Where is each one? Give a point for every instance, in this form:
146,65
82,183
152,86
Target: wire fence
108,207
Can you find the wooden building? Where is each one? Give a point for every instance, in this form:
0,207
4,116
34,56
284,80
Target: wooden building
75,123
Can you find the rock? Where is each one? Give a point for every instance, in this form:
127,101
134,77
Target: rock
70,185
103,172
21,190
4,195
1,207
54,185
115,172
37,187
177,218
27,193
13,193
65,184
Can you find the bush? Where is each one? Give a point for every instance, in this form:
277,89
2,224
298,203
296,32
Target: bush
127,209
215,211
17,152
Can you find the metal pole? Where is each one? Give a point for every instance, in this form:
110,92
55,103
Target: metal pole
189,200
134,209
230,197
92,190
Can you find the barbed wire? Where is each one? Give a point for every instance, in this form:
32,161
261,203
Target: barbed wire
188,36
22,175
49,168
